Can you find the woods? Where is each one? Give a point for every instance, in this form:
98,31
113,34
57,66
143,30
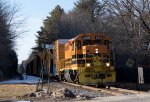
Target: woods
126,21
8,34
132,29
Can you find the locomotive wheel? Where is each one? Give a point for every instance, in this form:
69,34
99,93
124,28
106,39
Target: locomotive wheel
77,82
59,78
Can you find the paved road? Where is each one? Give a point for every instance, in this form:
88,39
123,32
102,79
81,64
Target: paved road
130,98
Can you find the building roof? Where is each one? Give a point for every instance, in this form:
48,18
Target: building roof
62,41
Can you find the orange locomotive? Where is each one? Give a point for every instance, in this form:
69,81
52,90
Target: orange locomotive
87,60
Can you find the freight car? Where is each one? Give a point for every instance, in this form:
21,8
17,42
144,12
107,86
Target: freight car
86,60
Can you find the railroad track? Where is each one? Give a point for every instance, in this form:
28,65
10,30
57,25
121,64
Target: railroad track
113,91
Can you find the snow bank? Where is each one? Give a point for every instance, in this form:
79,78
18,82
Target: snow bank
27,80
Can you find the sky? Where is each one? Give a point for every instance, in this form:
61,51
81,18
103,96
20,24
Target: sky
34,11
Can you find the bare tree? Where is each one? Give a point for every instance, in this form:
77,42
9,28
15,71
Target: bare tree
8,32
131,23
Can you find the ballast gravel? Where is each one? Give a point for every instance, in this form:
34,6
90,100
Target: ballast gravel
78,90
74,93
59,92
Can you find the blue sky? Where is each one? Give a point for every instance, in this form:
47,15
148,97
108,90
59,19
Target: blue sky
35,11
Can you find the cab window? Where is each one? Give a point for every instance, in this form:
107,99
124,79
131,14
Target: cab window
106,42
97,42
87,42
78,44
72,46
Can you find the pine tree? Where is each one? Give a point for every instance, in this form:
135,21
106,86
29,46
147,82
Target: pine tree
51,26
91,7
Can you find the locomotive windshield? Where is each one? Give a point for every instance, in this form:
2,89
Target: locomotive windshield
72,46
106,42
97,42
87,42
78,44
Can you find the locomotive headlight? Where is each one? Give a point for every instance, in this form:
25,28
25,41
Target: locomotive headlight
88,64
107,64
96,50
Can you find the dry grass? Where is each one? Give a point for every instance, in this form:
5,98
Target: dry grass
8,91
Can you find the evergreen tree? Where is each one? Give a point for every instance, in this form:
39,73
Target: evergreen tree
51,26
91,7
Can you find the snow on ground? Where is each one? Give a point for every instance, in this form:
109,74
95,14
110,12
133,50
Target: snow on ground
27,80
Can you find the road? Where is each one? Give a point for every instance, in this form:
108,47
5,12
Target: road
130,98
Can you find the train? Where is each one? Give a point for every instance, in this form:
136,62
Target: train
85,59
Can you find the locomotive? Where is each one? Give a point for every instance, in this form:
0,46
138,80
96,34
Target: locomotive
87,60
